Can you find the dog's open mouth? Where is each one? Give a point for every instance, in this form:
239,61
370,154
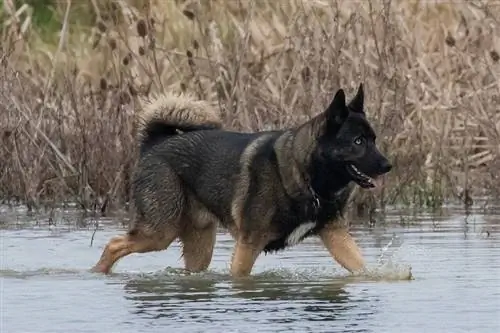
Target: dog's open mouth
361,178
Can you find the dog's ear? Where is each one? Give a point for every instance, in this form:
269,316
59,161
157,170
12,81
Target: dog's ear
337,112
358,102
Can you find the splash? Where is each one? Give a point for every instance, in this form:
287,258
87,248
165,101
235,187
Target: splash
386,268
387,272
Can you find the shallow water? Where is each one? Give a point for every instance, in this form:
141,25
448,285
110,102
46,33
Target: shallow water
454,259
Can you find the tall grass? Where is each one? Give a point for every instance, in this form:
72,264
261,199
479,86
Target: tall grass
68,96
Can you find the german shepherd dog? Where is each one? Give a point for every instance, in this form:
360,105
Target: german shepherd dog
269,189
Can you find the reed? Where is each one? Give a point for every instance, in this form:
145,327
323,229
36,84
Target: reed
67,97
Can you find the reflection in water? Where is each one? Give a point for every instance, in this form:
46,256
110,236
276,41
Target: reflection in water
206,297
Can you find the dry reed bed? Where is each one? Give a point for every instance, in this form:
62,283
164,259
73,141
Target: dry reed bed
430,71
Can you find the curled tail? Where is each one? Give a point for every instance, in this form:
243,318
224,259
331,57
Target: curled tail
164,115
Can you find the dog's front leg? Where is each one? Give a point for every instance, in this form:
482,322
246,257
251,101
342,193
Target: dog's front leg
343,248
245,254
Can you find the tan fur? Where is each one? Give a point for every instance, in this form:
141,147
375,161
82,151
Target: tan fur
246,251
198,246
245,254
342,248
176,110
198,214
294,149
121,246
243,183
293,180
198,236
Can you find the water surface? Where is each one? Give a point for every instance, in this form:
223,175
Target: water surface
454,259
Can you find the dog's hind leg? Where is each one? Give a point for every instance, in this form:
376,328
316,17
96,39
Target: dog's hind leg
343,248
134,241
160,202
198,246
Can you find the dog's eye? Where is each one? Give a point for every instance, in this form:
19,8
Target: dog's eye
358,141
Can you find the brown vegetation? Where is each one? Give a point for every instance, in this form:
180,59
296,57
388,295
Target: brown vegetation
431,73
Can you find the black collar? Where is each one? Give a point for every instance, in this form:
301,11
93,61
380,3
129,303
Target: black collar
317,199
316,202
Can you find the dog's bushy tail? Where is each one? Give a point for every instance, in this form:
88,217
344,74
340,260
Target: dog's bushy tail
166,114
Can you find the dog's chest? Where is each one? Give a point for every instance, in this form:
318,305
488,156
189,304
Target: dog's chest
290,234
299,233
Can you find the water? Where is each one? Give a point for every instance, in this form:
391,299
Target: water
455,262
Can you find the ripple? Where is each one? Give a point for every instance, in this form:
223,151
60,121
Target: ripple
434,274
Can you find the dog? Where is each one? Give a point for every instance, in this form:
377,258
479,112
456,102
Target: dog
269,189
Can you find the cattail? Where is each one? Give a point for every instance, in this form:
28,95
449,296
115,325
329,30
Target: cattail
142,51
188,14
306,74
196,46
142,28
450,41
103,84
126,60
189,54
112,43
183,87
494,56
101,26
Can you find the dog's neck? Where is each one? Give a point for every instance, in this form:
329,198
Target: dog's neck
328,180
291,165
294,156
294,152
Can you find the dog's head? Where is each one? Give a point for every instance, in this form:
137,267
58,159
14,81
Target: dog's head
347,142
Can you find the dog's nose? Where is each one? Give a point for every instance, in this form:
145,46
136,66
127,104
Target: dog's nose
385,166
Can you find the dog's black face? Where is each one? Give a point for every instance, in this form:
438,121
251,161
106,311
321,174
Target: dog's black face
348,143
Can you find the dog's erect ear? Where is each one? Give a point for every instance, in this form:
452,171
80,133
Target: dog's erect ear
358,102
337,112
